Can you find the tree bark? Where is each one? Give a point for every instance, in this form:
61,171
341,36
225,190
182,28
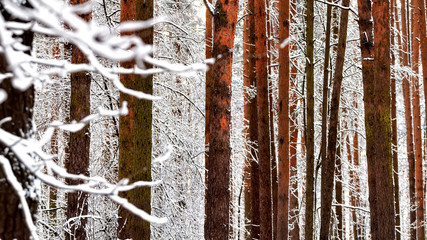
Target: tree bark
378,126
329,165
263,121
250,112
217,225
208,52
367,45
18,106
283,112
135,135
309,128
79,143
415,55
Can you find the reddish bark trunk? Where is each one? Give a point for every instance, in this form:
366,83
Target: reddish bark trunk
283,112
378,124
367,43
217,225
263,121
415,55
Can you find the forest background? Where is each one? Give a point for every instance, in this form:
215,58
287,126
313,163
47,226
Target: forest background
313,114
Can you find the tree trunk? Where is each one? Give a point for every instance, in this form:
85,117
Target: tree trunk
329,165
283,112
18,106
79,143
403,54
263,121
135,135
378,126
309,128
217,225
326,71
367,44
209,44
250,112
415,55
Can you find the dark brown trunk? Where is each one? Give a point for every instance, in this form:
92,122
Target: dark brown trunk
135,135
18,106
263,121
79,143
309,128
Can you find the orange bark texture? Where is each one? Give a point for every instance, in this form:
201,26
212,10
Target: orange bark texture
283,115
378,126
415,56
217,225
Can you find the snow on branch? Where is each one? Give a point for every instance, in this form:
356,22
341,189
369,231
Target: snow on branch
43,168
55,19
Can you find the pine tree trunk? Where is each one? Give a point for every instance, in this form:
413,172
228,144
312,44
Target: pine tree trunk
329,165
263,121
217,224
253,128
309,128
135,135
283,112
209,45
367,44
79,142
18,106
378,125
